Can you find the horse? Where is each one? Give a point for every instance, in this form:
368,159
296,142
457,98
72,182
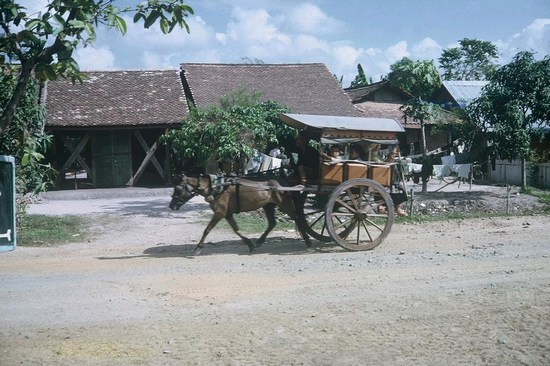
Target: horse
238,195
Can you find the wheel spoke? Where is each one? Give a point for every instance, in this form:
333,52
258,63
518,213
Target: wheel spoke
352,214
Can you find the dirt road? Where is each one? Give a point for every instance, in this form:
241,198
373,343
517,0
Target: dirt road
473,292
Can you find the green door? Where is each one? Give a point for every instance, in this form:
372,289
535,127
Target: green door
7,203
112,158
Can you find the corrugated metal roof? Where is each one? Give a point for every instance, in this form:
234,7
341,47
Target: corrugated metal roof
342,123
464,91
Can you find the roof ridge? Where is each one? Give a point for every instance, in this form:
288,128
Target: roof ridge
250,65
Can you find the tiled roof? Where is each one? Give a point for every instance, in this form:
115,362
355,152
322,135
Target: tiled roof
391,110
117,98
385,110
381,110
304,88
369,92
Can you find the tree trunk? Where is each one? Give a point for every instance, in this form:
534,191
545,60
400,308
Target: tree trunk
22,83
424,156
523,173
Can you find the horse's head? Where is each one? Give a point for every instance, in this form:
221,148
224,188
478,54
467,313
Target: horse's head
183,192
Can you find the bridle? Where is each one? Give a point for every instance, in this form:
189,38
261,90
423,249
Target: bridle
187,188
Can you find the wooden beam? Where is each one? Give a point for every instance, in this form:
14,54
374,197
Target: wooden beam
75,153
149,158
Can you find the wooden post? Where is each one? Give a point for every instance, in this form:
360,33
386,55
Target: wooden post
412,202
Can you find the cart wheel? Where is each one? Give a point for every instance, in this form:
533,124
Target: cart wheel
359,214
314,213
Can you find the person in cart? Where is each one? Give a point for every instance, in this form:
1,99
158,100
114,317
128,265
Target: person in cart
334,154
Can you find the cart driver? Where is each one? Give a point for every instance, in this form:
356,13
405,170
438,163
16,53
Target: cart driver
308,160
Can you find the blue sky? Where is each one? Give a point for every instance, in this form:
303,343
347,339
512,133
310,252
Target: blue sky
340,34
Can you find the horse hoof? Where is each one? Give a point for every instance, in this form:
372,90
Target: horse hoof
197,252
308,244
259,243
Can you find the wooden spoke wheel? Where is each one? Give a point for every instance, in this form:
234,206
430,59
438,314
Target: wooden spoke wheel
314,214
359,214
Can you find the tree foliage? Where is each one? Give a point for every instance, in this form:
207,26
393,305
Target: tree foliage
231,132
515,106
43,44
25,139
420,78
360,79
472,60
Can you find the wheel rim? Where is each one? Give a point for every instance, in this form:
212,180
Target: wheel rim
315,218
359,215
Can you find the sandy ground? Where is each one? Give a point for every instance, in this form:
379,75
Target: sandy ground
470,292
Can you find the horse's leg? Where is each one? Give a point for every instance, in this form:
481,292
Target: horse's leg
270,214
293,206
231,220
213,222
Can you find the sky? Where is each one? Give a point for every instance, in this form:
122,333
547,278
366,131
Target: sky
338,33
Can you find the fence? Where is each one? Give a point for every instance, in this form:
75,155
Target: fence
507,172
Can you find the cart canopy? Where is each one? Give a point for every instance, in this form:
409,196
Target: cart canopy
338,128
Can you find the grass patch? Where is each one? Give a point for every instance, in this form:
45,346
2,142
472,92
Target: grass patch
449,216
256,222
44,230
542,194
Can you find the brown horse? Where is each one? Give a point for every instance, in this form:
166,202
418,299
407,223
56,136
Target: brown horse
238,195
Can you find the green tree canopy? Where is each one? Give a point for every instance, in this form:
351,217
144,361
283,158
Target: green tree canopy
25,139
420,78
472,60
360,79
231,132
44,43
515,106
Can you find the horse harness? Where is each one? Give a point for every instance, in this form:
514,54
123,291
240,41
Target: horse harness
215,187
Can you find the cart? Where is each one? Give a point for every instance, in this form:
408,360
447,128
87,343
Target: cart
352,203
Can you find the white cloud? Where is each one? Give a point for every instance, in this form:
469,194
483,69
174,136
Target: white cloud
92,58
222,38
254,26
306,43
427,49
309,18
397,51
346,55
535,38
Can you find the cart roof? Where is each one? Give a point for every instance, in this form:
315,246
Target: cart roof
340,127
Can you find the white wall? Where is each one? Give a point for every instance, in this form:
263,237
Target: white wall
510,173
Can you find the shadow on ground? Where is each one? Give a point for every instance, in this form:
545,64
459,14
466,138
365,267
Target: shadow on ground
157,208
272,246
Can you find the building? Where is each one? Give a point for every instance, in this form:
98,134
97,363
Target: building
107,131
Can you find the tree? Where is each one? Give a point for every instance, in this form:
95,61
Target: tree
339,79
229,133
360,79
43,44
25,140
515,107
472,60
420,78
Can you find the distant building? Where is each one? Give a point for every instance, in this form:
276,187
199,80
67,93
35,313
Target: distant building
384,100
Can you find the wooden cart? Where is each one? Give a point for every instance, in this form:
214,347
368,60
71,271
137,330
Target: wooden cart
351,203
